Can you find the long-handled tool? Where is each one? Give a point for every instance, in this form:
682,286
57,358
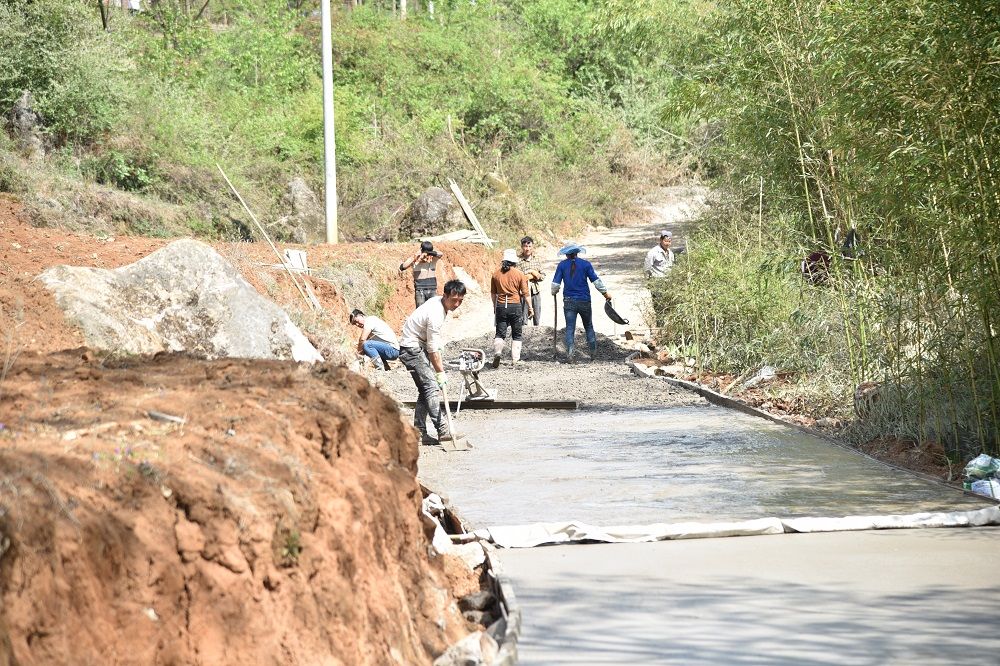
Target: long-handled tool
555,325
456,443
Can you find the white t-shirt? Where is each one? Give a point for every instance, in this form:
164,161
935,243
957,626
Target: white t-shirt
422,329
659,262
379,330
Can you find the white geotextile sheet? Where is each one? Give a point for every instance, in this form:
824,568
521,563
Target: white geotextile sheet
978,518
537,534
528,536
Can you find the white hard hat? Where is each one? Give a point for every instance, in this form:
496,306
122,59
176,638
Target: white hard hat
510,255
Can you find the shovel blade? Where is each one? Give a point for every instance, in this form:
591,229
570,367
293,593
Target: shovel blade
457,444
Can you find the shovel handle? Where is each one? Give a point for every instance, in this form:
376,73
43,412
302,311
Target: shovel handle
447,410
555,324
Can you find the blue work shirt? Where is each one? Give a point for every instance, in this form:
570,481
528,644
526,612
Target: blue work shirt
576,282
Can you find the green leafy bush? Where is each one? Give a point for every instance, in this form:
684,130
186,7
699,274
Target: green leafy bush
78,74
128,172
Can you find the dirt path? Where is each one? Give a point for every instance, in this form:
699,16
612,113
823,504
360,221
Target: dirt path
605,383
618,254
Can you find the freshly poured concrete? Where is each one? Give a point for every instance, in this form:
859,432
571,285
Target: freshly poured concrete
915,596
889,597
664,465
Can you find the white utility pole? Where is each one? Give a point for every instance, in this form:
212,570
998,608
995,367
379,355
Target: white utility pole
329,143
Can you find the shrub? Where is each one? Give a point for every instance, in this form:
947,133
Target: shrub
78,74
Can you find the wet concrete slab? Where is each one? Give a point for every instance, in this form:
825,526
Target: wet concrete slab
702,463
888,597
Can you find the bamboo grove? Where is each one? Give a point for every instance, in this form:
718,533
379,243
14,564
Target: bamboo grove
868,131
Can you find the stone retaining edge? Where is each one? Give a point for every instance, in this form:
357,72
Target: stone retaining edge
504,591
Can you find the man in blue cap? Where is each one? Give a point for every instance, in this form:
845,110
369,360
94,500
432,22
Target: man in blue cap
576,273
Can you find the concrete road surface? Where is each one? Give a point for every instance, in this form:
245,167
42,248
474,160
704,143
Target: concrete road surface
928,596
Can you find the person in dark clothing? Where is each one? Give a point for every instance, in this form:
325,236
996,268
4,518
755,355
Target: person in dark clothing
424,265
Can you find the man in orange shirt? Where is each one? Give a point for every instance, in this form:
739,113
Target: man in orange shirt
509,289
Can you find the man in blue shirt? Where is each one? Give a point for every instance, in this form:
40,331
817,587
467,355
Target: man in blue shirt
576,273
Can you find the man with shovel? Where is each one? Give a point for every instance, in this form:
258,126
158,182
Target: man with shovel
420,348
577,274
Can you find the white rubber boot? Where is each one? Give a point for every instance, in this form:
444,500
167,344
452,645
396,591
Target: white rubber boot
497,350
515,351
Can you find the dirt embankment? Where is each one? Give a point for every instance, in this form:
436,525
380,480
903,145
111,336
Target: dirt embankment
279,523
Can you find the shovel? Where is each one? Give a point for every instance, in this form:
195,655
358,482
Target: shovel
456,443
555,326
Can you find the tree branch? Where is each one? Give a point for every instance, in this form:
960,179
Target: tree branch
105,20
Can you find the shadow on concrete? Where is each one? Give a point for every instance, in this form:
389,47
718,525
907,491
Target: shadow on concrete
611,620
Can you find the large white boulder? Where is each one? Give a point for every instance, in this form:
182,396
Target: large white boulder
184,297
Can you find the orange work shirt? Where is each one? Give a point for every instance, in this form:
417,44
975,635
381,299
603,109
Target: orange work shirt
508,287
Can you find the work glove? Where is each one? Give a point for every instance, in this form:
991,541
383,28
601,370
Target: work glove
441,378
555,288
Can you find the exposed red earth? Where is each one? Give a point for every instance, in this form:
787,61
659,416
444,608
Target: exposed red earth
278,523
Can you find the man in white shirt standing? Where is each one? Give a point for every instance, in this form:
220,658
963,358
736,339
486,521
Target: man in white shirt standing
660,259
377,340
420,348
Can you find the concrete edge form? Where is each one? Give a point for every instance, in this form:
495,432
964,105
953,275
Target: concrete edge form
721,400
569,405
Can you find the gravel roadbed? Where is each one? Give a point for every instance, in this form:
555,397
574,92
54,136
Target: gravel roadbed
607,382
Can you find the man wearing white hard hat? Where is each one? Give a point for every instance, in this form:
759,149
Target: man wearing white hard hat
509,290
660,259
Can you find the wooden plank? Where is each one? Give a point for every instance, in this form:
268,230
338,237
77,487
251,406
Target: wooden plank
464,203
312,296
460,235
508,404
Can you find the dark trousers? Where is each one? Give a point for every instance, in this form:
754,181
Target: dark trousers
509,315
422,295
536,305
572,308
428,403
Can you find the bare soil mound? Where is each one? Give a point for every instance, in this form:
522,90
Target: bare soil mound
278,523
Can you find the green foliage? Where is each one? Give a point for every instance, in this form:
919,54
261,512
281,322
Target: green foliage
735,300
11,178
127,172
566,99
878,118
291,548
78,74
